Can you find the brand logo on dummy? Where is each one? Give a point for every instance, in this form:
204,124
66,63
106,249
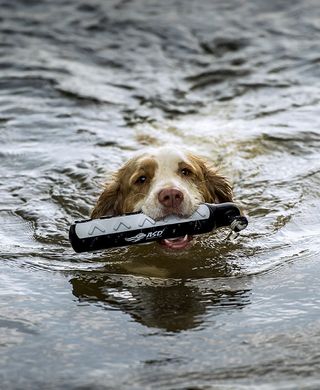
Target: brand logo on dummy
141,236
136,238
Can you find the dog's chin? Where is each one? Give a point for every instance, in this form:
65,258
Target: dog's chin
178,243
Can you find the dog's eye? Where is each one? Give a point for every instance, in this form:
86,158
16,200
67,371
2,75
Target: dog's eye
185,172
141,179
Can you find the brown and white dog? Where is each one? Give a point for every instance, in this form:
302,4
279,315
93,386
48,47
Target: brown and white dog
162,182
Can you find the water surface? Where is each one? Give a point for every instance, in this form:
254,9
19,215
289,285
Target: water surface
83,85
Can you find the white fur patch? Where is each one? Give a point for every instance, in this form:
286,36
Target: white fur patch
167,176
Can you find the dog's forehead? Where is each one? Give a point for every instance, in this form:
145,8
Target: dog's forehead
170,158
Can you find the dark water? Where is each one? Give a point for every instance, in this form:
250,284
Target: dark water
85,84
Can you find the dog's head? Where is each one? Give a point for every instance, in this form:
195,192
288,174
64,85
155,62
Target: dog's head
160,183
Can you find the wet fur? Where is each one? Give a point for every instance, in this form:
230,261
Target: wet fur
121,194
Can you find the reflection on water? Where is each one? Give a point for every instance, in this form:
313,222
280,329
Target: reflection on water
83,85
171,305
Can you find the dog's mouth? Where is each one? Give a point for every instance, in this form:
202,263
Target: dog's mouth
176,243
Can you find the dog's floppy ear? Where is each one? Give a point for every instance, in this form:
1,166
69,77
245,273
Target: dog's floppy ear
218,186
215,187
110,200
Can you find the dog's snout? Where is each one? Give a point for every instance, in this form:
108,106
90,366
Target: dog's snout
170,197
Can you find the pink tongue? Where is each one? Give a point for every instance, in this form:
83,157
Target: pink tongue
176,243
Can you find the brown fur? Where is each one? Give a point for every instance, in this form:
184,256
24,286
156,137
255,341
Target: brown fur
214,187
120,194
